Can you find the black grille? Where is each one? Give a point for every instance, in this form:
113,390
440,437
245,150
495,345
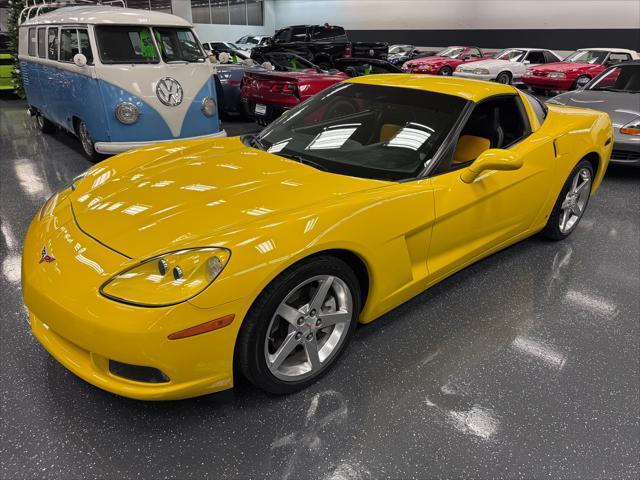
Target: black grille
137,373
625,155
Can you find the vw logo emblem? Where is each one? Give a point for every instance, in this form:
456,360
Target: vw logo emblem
169,92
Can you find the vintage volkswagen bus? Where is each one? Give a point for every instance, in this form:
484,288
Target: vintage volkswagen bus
117,78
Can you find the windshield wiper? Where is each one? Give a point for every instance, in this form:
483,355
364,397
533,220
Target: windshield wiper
304,160
255,142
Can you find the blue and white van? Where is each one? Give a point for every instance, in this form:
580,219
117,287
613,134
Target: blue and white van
118,78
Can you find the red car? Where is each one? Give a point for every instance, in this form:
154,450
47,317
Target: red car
445,61
576,70
266,94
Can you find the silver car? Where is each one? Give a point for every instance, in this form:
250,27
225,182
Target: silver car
617,92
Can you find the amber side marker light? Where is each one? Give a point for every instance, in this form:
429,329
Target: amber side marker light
203,327
630,131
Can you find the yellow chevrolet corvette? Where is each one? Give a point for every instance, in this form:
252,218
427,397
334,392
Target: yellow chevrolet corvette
162,271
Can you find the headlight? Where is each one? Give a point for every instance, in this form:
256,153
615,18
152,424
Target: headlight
167,279
528,72
481,71
208,106
631,128
127,113
556,75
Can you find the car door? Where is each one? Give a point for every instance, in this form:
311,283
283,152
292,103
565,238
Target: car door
474,218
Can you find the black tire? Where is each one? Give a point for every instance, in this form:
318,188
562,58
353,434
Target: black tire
552,228
445,71
87,143
250,346
581,81
45,126
504,78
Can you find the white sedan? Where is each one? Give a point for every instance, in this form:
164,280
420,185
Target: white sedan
508,66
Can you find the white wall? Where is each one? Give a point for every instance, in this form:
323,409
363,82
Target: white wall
461,14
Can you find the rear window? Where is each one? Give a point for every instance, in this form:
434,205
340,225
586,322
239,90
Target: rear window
126,44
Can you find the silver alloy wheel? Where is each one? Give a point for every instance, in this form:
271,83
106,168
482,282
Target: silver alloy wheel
576,200
85,138
582,81
308,328
445,72
503,78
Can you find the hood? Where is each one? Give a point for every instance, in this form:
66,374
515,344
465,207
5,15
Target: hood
619,105
490,64
566,67
184,193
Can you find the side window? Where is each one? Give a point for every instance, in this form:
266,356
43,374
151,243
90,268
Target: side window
32,42
618,58
68,44
85,45
550,57
539,108
535,57
42,42
298,34
495,123
474,52
52,43
283,36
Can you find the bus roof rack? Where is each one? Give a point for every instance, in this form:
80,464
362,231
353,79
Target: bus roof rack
33,8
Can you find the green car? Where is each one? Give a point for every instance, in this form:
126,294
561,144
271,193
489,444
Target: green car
6,63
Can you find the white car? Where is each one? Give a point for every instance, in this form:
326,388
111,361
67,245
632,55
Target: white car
508,66
215,47
249,41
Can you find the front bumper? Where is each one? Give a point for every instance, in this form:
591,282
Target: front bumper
546,83
84,330
625,153
112,148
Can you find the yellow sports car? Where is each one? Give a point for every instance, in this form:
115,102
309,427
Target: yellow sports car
163,270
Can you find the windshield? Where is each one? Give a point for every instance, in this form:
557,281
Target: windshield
618,79
283,61
451,52
368,131
511,55
594,57
128,44
178,45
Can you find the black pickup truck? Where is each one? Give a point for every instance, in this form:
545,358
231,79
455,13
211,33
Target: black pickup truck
323,44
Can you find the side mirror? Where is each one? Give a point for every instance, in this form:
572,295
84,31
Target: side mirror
80,60
492,159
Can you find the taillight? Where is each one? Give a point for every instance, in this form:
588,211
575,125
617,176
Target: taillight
348,50
289,88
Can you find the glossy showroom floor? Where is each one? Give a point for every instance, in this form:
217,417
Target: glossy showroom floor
524,365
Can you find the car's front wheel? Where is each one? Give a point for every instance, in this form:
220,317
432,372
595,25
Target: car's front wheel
504,78
571,203
446,71
300,324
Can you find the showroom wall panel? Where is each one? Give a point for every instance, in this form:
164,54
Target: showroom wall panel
562,24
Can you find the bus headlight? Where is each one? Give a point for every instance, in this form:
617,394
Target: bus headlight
127,113
208,106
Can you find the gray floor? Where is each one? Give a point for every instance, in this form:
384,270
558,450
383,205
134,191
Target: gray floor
524,365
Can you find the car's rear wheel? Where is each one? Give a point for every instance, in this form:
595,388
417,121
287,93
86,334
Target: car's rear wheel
446,71
45,126
571,203
300,324
504,78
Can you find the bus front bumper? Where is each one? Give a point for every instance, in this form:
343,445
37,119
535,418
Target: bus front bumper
112,148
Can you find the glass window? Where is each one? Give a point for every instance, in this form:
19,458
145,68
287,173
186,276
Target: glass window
535,57
32,42
365,131
178,45
85,45
618,79
550,57
594,57
237,12
42,42
220,12
618,58
539,108
52,43
126,44
68,44
255,13
200,11
511,54
451,52
474,52
328,32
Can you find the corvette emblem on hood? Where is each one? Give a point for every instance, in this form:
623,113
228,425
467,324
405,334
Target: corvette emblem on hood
45,257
